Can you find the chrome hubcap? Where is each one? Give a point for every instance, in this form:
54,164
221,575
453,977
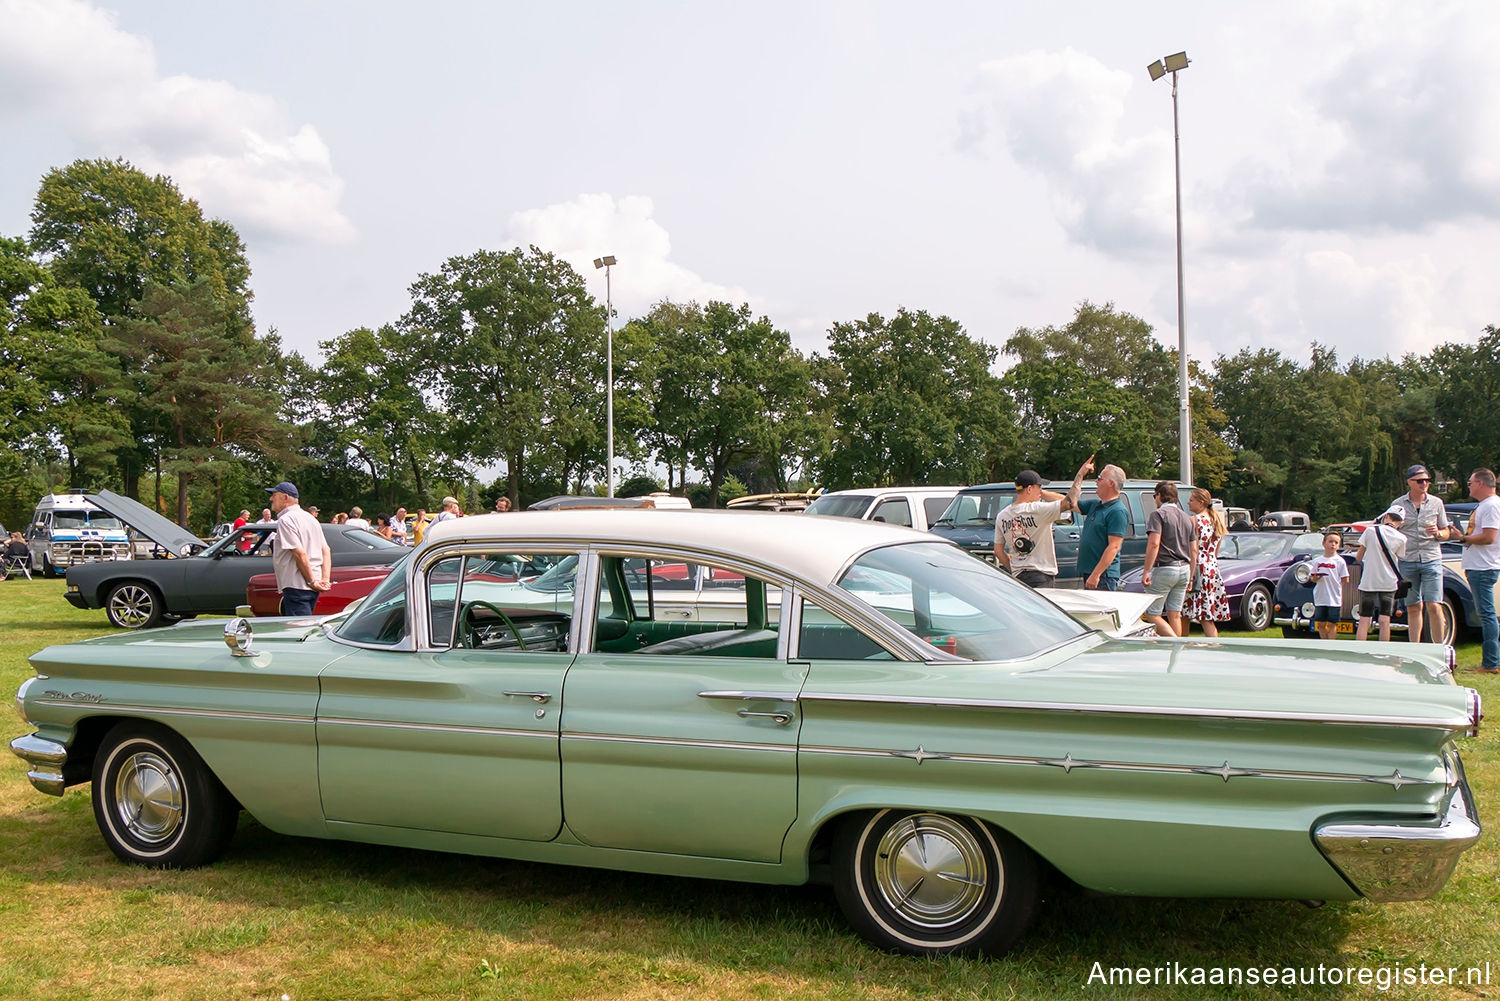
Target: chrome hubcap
148,797
931,871
132,605
1260,608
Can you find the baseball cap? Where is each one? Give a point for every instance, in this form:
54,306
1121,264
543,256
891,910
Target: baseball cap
1394,512
1028,478
1416,471
283,488
450,500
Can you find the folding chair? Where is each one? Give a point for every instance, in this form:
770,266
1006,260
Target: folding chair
17,565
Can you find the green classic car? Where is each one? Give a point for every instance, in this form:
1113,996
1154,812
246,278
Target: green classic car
910,724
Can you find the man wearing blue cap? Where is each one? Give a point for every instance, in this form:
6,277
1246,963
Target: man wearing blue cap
299,555
1425,525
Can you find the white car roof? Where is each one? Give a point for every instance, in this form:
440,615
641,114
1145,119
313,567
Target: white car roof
811,547
877,491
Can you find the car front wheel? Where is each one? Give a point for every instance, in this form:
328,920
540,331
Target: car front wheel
156,802
930,883
1255,608
133,605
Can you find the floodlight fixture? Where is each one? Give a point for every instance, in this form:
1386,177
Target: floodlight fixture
604,262
1155,69
1176,62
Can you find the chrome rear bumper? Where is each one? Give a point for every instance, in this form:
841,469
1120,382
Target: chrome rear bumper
46,758
1399,859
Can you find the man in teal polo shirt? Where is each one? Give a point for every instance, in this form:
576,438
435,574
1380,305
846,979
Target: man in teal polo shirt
1103,531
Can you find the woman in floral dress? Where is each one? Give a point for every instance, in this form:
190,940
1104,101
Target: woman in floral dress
1207,603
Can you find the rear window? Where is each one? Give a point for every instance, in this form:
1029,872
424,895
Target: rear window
840,505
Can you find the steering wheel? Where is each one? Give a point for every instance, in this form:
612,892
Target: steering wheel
466,626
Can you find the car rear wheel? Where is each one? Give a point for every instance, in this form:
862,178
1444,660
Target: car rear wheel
930,883
133,605
156,802
1450,620
1255,608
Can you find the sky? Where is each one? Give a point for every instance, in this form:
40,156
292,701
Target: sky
996,162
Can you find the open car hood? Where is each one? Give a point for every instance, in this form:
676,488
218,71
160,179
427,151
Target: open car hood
167,534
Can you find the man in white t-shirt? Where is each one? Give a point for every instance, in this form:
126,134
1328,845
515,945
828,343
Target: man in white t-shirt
1482,563
1381,547
449,511
1023,531
357,518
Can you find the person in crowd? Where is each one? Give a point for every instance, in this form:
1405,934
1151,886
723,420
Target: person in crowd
449,511
312,509
246,543
1425,525
419,526
1023,531
357,518
1328,573
1207,604
340,518
502,504
1380,551
398,526
16,548
266,515
1481,562
299,555
1106,522
1171,554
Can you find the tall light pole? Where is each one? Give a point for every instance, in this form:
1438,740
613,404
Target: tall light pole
1159,69
606,262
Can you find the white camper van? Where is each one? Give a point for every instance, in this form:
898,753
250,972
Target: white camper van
68,529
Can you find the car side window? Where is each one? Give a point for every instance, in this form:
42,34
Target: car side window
895,511
641,610
934,507
503,601
824,636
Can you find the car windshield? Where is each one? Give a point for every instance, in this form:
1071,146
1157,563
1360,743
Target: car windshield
380,618
1307,543
978,507
368,539
840,505
947,598
561,577
85,519
1253,547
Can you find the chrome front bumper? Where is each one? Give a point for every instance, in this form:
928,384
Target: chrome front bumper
1398,859
46,758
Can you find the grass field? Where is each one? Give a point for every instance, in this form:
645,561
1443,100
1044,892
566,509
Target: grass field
320,920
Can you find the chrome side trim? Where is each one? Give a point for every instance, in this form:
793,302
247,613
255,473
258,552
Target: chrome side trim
750,696
115,708
1341,719
1068,763
722,745
1401,859
46,758
487,731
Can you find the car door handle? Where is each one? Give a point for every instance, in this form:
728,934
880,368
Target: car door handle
1073,535
533,696
779,718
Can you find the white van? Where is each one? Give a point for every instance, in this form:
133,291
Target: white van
916,507
68,529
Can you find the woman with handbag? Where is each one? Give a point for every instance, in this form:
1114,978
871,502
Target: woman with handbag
1207,603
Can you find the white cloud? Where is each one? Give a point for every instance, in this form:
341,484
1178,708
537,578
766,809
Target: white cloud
236,152
593,225
1060,114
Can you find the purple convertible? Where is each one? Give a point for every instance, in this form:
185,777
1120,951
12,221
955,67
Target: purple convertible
1251,563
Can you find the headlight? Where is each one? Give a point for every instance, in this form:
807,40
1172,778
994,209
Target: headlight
1308,608
237,636
1303,573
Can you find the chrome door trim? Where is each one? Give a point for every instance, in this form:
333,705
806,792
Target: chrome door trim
723,745
435,727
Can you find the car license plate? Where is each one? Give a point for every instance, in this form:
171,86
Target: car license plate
1346,627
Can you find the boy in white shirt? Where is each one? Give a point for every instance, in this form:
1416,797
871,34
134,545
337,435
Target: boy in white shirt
1329,572
1379,574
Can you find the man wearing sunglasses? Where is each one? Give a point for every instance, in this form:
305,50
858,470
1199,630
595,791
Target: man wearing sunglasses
1425,527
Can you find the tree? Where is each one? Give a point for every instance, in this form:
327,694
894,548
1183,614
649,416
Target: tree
509,338
912,401
1467,384
205,384
109,229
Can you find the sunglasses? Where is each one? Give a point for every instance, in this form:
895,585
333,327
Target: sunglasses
1420,479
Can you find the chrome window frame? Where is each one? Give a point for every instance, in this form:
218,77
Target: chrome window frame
419,613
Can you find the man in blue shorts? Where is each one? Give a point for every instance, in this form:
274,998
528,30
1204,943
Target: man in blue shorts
1425,525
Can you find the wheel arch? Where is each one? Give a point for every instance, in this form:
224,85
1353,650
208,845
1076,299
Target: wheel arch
89,733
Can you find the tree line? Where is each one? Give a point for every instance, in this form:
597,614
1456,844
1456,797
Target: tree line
129,359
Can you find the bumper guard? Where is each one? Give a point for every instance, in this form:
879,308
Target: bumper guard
1398,859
